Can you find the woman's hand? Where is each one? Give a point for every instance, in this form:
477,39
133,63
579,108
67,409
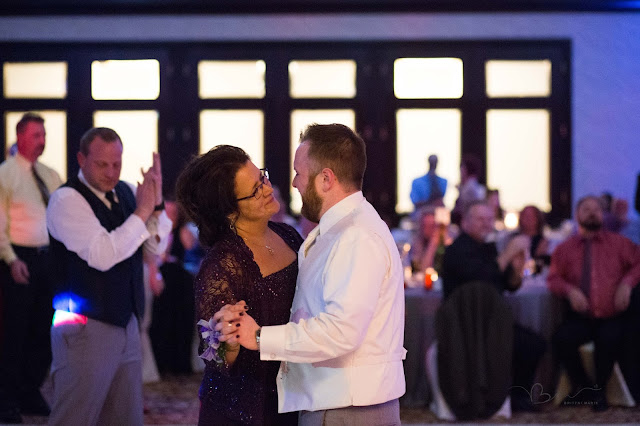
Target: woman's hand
237,326
228,316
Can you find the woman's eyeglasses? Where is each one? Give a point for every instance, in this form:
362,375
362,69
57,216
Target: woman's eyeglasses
257,193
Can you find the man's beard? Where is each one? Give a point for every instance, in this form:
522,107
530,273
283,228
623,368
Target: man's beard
311,202
591,224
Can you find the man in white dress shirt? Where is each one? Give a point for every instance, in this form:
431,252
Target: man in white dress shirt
99,228
342,349
25,354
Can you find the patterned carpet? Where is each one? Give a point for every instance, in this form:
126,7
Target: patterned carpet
174,401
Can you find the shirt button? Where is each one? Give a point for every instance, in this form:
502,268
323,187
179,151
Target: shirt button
273,356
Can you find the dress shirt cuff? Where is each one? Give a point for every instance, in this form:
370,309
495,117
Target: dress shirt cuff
159,228
162,223
272,340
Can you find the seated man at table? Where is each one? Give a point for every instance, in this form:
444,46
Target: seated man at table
470,258
595,270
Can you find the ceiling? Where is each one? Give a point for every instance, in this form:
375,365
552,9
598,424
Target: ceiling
79,7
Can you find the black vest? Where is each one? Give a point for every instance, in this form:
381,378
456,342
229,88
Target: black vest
110,296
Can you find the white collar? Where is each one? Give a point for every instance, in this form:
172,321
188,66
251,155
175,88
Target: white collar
98,193
340,210
23,162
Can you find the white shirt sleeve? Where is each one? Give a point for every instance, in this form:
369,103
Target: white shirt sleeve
6,251
159,228
71,221
352,279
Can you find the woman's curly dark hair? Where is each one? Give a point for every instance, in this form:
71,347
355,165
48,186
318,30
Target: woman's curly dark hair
206,191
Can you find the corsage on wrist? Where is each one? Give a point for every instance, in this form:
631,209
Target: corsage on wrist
216,349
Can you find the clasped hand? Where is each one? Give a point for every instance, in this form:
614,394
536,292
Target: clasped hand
149,192
236,326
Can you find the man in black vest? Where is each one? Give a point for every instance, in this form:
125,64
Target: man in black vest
99,227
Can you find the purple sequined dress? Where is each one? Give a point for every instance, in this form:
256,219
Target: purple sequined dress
246,392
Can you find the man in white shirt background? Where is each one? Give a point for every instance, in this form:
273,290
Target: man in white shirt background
342,350
99,228
25,353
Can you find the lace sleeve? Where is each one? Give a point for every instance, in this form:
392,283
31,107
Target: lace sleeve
216,283
220,282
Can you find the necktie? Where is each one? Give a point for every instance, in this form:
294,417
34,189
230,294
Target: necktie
585,280
44,191
311,239
112,200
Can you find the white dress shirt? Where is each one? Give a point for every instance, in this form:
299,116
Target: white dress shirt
22,211
343,346
71,221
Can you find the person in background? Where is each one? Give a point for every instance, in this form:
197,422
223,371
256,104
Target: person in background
249,258
470,189
100,226
493,200
615,212
429,242
531,223
500,234
11,150
173,323
430,188
606,198
342,349
25,351
153,287
470,259
632,229
595,271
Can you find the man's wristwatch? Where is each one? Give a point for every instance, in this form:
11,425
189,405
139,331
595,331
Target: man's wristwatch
258,337
159,207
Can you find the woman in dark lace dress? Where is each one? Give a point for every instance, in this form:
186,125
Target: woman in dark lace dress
248,258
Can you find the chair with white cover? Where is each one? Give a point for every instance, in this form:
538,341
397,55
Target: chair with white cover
617,391
438,405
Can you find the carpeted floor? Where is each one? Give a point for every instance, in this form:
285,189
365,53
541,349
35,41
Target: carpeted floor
174,401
